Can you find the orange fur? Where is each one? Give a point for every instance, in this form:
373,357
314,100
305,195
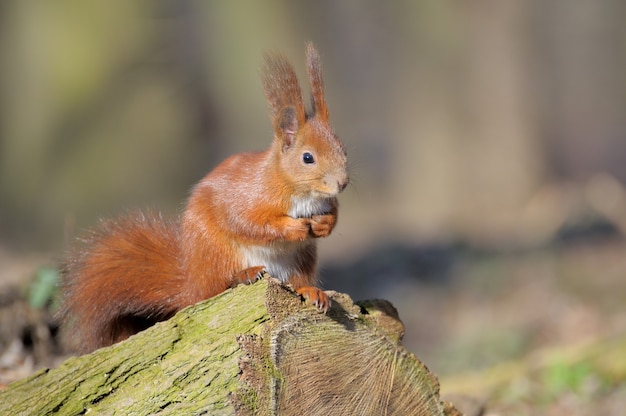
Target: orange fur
254,211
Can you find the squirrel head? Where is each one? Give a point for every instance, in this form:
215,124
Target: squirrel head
309,153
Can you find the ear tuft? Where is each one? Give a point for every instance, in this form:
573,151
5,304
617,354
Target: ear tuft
314,69
283,93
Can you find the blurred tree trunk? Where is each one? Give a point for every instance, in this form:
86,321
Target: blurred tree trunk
581,55
502,162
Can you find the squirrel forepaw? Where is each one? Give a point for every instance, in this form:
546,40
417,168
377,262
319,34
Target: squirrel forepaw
322,225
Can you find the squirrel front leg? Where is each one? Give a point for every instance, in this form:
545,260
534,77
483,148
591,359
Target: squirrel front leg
281,226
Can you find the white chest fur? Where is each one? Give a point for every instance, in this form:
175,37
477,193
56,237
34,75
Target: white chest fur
280,259
306,207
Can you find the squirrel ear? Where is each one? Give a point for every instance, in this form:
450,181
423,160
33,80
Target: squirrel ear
283,94
314,69
286,127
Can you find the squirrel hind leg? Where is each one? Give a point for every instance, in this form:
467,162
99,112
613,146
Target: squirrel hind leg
122,327
112,332
315,297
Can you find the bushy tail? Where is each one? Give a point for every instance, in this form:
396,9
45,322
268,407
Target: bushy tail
122,278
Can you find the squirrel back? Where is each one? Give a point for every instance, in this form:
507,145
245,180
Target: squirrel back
254,212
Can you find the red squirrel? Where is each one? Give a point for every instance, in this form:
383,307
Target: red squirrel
254,212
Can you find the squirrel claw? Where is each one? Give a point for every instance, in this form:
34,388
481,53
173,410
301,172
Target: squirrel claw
315,297
248,276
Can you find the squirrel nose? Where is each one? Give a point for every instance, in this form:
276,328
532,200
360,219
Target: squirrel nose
342,184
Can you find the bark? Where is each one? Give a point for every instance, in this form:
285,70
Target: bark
257,349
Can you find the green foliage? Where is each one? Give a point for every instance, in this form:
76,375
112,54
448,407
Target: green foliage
561,377
43,288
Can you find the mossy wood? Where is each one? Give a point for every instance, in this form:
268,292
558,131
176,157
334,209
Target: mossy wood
253,350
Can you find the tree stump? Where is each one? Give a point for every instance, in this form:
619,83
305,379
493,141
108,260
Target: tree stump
254,350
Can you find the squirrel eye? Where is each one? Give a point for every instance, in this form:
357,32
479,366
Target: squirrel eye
308,158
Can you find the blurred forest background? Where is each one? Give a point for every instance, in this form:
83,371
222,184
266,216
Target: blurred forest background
487,142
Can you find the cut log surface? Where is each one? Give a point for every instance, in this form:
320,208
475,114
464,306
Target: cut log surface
254,350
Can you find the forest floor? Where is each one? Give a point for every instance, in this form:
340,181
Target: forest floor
543,334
